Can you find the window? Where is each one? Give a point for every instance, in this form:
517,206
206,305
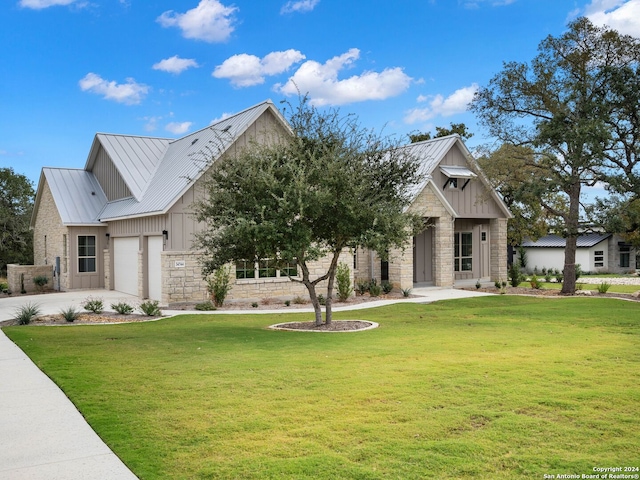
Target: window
483,236
264,269
290,269
245,269
598,258
86,253
462,252
64,253
625,254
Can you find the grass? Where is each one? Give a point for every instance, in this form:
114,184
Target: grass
493,387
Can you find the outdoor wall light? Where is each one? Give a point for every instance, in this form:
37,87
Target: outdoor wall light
165,234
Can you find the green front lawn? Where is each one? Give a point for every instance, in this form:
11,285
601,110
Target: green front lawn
493,387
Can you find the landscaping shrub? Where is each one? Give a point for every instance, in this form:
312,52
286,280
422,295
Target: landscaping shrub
515,277
150,307
254,304
535,283
547,277
24,314
559,276
579,271
362,286
95,305
387,287
374,289
40,281
70,314
287,303
478,285
219,285
604,287
299,300
4,287
322,300
406,292
343,280
205,306
123,308
497,284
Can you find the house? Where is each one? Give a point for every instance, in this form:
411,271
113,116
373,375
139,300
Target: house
596,252
466,224
124,221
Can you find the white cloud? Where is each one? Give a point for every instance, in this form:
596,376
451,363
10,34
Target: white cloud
178,128
245,70
40,4
175,64
130,93
210,21
455,103
300,6
621,15
321,82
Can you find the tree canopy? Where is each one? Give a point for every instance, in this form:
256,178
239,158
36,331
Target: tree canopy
16,205
329,186
459,128
560,107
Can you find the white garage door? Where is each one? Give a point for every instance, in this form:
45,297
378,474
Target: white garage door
125,265
154,268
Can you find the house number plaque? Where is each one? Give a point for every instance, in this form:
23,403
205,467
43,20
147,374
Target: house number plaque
180,264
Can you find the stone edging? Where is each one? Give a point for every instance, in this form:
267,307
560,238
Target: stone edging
279,326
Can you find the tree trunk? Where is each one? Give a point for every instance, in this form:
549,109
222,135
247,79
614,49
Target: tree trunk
311,288
315,302
572,221
332,276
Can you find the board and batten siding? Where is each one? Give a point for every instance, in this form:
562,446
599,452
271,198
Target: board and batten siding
109,178
472,202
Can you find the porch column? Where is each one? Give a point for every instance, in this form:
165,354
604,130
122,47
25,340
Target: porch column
401,266
498,249
443,251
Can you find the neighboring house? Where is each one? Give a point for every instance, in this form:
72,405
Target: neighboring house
596,252
124,221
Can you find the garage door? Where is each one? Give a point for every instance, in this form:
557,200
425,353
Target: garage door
125,265
154,268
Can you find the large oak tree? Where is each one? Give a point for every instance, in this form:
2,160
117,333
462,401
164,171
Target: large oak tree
558,107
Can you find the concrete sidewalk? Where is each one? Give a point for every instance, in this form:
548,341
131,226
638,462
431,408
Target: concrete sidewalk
42,434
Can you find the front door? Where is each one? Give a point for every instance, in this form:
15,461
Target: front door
423,257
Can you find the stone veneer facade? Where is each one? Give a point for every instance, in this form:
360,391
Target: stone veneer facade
182,281
19,275
48,235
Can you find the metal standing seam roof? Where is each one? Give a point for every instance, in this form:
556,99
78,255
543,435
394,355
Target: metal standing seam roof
77,194
136,158
587,240
184,161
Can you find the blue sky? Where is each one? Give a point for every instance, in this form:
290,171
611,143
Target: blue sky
72,68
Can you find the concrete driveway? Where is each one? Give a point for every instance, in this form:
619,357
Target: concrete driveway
51,303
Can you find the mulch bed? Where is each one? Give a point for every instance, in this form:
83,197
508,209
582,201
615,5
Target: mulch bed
85,319
334,326
542,292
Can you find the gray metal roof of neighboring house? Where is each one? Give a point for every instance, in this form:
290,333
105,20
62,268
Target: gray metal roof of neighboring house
184,161
77,193
587,240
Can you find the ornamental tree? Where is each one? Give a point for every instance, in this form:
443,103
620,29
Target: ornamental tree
329,186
